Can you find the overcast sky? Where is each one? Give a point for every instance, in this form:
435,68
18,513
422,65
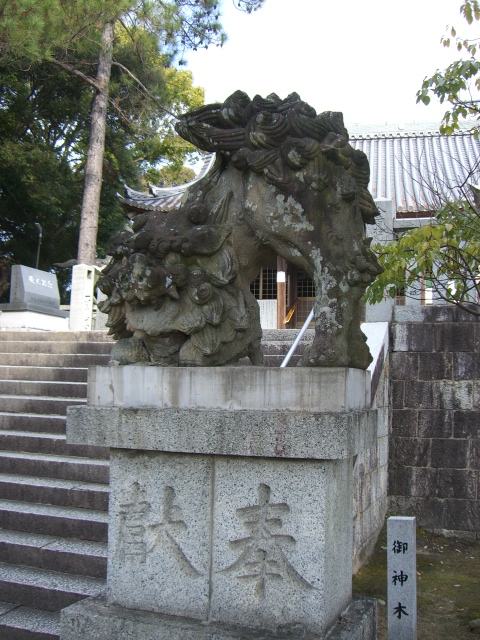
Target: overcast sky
366,59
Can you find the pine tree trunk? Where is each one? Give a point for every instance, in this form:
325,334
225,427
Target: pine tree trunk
87,241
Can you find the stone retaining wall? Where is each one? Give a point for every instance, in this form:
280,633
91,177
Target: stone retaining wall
435,443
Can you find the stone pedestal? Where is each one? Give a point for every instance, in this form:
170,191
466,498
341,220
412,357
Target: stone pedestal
231,501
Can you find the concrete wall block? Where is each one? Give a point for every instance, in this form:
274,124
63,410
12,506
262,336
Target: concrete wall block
382,482
423,482
466,366
435,366
404,422
462,514
412,337
466,424
382,395
372,459
366,497
382,451
452,336
476,394
400,481
428,511
404,365
398,394
449,454
452,395
413,452
373,489
419,394
435,424
474,457
455,483
383,419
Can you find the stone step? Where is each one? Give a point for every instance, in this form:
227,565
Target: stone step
281,348
50,590
55,374
52,520
53,466
286,335
55,491
32,422
44,388
82,557
52,443
37,404
53,359
50,336
54,347
24,623
276,361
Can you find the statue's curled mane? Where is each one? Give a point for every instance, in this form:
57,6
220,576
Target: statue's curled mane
279,138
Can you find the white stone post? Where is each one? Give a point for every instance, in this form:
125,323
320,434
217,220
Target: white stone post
81,297
402,578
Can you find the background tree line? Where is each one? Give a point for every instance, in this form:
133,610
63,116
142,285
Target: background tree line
88,94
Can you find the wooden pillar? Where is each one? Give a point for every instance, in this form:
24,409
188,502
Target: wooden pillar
281,292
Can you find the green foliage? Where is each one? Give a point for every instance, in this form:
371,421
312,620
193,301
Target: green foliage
459,83
446,252
44,115
48,64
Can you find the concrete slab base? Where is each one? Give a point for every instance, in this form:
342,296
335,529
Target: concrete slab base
94,619
31,321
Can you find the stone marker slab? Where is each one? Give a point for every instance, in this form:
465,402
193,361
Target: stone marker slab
282,543
159,532
402,578
33,290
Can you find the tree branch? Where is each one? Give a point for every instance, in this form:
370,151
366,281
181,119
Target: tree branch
70,69
144,88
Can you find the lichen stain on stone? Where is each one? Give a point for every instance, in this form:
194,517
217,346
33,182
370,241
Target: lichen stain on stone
293,214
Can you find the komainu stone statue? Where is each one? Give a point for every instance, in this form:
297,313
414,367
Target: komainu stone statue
285,182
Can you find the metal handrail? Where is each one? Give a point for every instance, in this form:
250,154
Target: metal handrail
289,315
291,351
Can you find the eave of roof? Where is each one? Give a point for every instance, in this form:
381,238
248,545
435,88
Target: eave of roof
418,170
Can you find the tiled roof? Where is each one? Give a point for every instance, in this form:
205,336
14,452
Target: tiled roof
419,171
161,198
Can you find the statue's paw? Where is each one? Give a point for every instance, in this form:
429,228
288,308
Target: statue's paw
359,356
129,351
190,356
316,356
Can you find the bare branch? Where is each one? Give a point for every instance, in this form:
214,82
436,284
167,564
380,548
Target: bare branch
143,88
68,67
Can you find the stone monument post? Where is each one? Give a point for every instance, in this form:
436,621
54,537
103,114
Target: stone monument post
231,502
81,297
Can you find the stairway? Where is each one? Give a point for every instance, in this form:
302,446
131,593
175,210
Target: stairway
53,496
277,342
